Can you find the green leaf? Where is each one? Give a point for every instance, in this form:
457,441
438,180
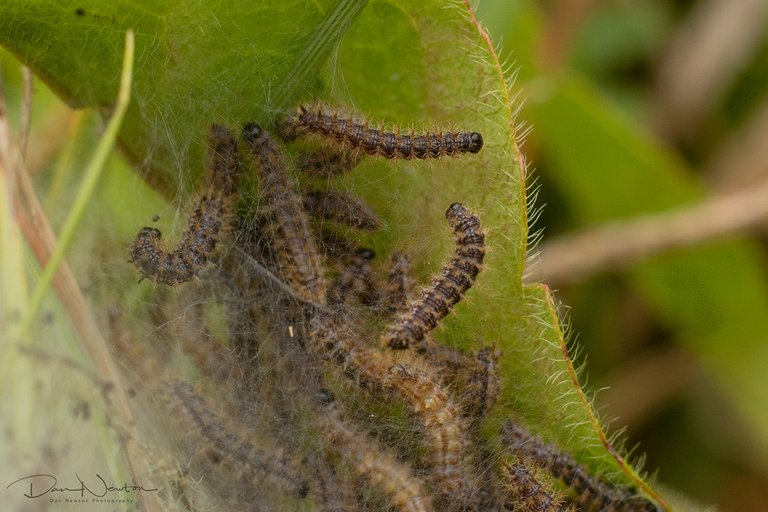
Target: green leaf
421,64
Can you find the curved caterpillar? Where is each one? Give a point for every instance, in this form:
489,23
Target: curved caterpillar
225,448
341,208
293,242
448,288
324,121
198,243
591,493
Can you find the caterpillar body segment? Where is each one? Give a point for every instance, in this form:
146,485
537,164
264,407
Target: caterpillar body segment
405,491
355,281
327,163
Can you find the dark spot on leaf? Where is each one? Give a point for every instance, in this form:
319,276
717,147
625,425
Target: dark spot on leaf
79,11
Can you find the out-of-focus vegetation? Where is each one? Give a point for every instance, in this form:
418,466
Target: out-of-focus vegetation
649,123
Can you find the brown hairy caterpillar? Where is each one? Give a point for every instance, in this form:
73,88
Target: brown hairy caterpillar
204,228
325,121
524,493
444,432
327,163
354,282
225,448
448,288
591,493
341,208
406,492
426,399
295,247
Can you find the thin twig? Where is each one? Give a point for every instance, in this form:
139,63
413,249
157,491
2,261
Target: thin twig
575,257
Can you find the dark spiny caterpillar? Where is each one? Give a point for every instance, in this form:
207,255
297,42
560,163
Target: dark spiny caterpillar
448,288
325,121
224,447
524,493
296,250
591,493
198,243
341,208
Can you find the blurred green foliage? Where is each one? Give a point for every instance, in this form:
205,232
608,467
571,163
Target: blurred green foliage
588,77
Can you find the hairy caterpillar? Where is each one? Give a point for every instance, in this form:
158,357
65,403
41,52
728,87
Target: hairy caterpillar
198,243
406,492
524,493
325,121
341,208
425,397
223,161
440,418
591,493
225,448
293,242
448,288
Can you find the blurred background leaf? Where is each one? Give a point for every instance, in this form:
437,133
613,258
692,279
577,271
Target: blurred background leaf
640,108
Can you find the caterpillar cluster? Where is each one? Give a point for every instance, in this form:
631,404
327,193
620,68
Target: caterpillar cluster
307,338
